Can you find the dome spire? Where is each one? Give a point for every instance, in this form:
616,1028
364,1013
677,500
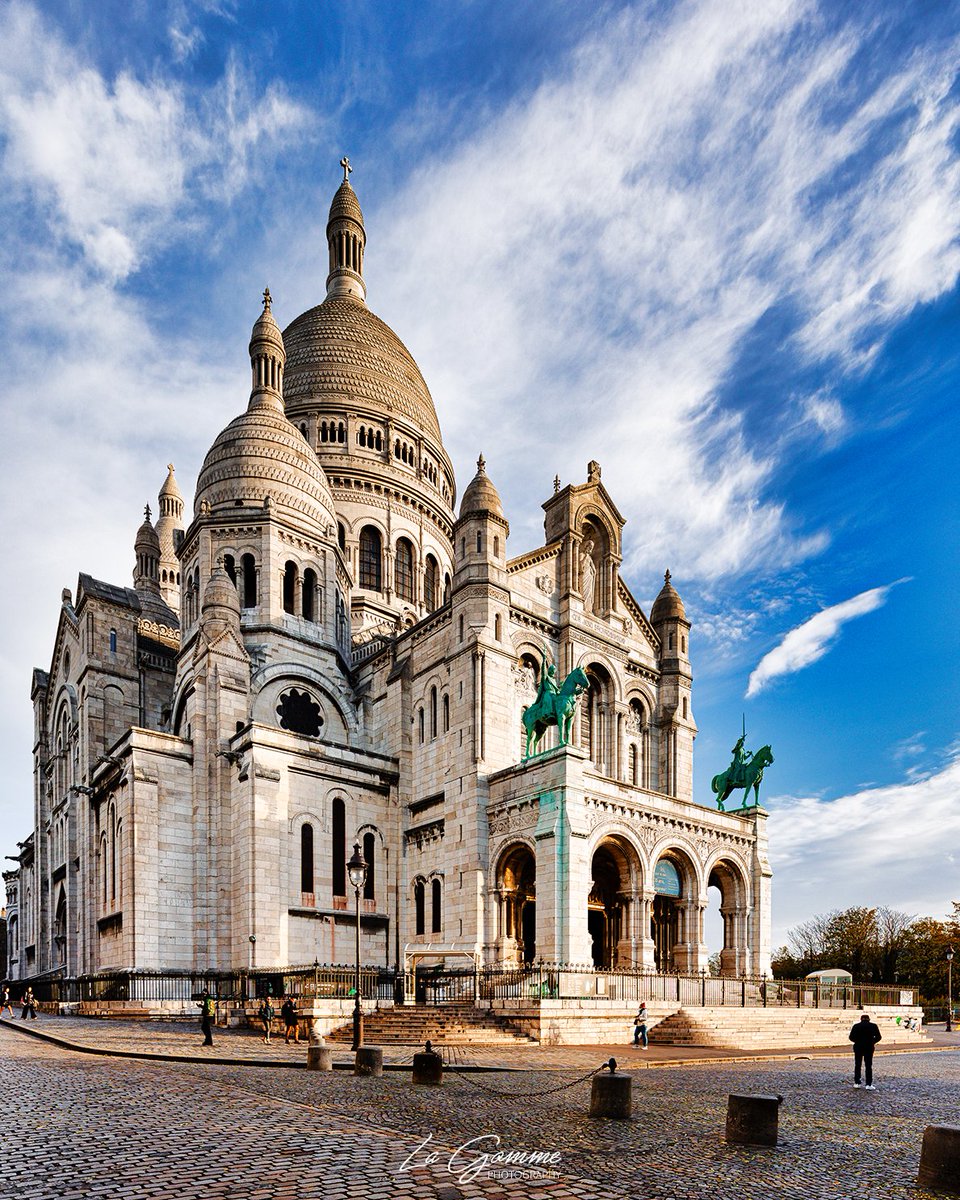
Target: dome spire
346,239
267,358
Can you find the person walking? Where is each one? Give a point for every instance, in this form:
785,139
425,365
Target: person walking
266,1014
208,1011
640,1026
288,1011
864,1036
29,1002
5,1005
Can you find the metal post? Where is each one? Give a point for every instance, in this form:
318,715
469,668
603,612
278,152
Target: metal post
357,1010
949,1028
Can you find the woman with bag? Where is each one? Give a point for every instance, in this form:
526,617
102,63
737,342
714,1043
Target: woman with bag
640,1026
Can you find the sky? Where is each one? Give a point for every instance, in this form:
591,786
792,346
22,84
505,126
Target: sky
713,245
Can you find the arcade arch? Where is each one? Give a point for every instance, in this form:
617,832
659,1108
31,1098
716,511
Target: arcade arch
727,883
517,905
615,904
676,916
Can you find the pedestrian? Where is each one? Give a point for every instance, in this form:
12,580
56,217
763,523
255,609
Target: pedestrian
266,1014
864,1036
5,1005
29,1002
288,1011
208,1010
640,1026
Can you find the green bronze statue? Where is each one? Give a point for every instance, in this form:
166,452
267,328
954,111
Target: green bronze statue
555,705
745,771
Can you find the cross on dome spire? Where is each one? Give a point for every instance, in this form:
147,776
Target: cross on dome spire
345,163
146,511
267,299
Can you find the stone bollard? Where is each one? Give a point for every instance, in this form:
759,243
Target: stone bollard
610,1094
940,1159
319,1058
369,1061
752,1120
428,1066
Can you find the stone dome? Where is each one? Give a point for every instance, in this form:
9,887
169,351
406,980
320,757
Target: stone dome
260,455
345,205
266,331
220,606
668,606
480,494
147,540
340,350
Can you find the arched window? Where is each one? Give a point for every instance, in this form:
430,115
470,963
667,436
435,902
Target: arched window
446,713
306,859
230,566
433,713
310,594
497,624
446,588
371,556
369,853
339,848
104,872
437,925
403,569
419,903
249,566
461,627
341,536
420,724
496,546
289,586
479,542
119,860
431,574
113,641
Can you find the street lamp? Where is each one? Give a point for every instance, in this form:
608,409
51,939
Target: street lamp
357,874
949,989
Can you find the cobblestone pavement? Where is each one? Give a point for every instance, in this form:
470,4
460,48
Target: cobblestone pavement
80,1125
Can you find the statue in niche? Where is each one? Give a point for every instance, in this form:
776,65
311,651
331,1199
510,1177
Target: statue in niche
588,574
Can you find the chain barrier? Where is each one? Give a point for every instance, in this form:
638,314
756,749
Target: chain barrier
458,1074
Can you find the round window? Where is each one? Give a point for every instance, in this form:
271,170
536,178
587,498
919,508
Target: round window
300,713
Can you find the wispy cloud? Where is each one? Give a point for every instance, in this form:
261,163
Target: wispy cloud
853,849
811,640
603,248
112,164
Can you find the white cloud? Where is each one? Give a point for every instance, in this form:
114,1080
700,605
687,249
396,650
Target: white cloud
811,640
115,162
891,845
578,278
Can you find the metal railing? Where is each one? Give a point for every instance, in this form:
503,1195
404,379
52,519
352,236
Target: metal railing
509,985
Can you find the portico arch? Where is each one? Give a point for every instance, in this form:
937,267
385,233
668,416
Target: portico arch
517,904
676,918
729,879
614,905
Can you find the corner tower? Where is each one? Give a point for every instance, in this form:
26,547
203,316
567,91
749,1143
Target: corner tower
356,394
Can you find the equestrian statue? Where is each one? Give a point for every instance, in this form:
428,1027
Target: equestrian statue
555,705
745,772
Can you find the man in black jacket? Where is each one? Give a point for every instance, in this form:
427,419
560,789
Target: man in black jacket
864,1036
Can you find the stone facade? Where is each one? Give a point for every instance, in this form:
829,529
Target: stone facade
330,653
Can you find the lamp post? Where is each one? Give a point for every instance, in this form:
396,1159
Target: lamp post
357,874
949,1028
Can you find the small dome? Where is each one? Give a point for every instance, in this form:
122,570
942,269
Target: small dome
668,606
259,455
266,331
345,205
220,592
147,540
480,494
170,488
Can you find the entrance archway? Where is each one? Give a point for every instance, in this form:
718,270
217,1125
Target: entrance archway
613,904
517,895
665,916
727,879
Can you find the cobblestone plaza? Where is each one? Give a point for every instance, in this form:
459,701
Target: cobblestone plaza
116,1127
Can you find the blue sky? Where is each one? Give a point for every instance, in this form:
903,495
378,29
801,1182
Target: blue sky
713,246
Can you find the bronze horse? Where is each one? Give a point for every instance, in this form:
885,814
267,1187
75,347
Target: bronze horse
554,708
747,777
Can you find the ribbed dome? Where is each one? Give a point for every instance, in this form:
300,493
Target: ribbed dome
147,541
220,593
266,331
345,205
261,454
341,350
480,494
668,606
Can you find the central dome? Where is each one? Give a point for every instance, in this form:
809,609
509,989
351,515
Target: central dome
341,349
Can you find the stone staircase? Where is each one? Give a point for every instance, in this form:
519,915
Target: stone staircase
444,1025
753,1029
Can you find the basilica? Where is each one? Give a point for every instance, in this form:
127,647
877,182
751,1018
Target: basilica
335,649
